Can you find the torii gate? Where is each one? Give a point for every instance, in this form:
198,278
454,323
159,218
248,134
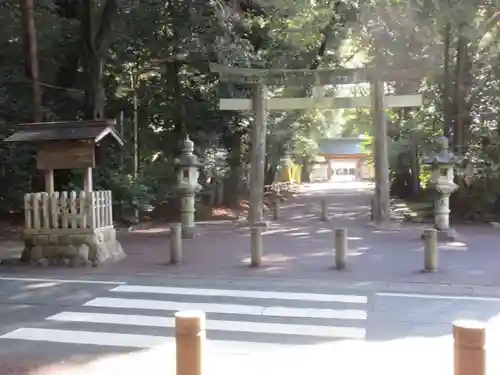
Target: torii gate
260,104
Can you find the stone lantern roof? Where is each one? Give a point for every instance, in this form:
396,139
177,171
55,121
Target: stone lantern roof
444,156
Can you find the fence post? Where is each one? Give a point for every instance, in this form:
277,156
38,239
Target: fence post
176,244
255,246
324,210
28,210
189,341
469,357
340,248
430,250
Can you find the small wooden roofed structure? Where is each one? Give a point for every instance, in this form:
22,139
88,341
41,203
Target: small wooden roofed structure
93,130
66,145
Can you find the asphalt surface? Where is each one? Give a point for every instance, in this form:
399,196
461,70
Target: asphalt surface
101,322
75,322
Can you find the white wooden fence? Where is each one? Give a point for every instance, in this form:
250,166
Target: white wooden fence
278,187
68,210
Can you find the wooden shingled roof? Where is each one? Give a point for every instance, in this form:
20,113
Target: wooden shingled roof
93,130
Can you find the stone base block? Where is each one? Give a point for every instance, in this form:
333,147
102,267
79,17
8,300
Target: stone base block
261,224
384,225
188,232
72,249
448,235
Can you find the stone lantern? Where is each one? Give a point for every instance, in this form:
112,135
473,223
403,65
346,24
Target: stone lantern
187,175
443,164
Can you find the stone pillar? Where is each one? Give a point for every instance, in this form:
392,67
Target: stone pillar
257,171
187,215
442,212
340,248
430,250
324,210
469,357
190,337
276,211
175,244
255,246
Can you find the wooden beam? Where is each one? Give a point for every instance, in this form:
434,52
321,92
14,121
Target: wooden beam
286,104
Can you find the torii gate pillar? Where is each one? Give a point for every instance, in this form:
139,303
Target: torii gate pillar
257,169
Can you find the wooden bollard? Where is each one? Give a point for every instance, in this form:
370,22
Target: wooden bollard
190,337
324,210
255,246
340,248
469,356
175,244
430,250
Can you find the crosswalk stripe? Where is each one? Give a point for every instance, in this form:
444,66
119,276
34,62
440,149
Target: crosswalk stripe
218,325
268,313
131,340
147,304
256,294
87,337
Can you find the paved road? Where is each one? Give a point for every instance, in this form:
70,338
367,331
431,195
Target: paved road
69,321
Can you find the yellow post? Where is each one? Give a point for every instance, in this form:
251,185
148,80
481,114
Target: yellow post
189,341
469,357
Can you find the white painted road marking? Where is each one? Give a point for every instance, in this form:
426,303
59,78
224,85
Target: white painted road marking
437,296
321,312
344,298
128,340
62,281
218,308
216,325
87,337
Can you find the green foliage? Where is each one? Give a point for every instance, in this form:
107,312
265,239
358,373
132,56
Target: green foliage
159,52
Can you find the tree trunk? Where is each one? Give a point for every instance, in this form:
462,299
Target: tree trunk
233,185
173,71
461,89
305,172
446,90
96,40
31,56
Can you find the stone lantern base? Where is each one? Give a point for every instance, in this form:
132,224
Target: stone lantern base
447,235
188,232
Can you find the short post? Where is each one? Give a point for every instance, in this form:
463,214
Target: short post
340,248
430,250
469,357
189,342
276,211
256,246
324,210
373,208
176,244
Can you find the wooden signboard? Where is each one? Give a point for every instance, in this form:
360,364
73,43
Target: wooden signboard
65,155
